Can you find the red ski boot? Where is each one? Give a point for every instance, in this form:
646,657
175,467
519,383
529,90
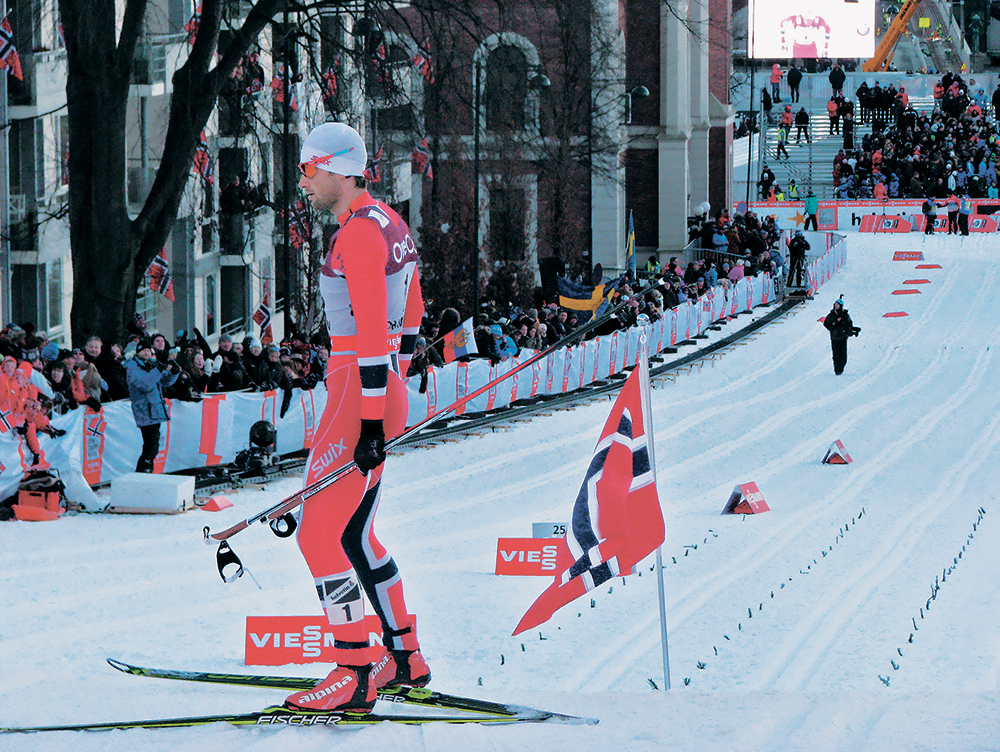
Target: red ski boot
347,688
400,668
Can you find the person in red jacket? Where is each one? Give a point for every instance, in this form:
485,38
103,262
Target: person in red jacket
371,292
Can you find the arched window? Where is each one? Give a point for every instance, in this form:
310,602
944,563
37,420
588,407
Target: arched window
505,91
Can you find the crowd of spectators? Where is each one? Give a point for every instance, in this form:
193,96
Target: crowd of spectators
39,378
951,150
731,250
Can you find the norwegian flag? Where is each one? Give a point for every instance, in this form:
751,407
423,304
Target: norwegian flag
421,159
373,174
9,58
203,160
616,520
278,85
423,62
299,223
159,276
380,62
330,81
191,27
262,316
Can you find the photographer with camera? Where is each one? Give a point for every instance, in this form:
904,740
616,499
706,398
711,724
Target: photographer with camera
840,326
146,379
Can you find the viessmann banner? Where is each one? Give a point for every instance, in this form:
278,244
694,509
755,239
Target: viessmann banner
821,28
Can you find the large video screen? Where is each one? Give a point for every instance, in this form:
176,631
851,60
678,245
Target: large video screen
820,28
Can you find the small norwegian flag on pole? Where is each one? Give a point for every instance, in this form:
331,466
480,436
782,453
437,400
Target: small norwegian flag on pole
616,520
278,85
262,316
422,60
191,27
203,160
380,62
421,159
9,59
159,276
330,82
373,174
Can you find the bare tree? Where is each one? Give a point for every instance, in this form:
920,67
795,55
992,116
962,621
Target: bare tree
110,250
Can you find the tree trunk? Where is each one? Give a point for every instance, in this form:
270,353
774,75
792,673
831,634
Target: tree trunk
111,251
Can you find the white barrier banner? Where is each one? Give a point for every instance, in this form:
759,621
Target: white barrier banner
101,446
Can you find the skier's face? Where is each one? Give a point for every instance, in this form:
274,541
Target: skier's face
326,190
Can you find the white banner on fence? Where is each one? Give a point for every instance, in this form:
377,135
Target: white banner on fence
100,446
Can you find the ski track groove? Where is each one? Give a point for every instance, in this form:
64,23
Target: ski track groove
843,603
609,666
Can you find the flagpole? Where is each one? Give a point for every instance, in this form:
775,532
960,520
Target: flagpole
647,422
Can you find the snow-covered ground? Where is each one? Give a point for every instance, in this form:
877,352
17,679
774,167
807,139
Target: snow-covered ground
786,628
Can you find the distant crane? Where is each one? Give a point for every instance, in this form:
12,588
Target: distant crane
886,48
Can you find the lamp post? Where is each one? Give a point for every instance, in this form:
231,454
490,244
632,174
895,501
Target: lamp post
475,200
637,92
538,81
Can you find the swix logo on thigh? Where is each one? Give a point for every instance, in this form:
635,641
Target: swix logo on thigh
327,458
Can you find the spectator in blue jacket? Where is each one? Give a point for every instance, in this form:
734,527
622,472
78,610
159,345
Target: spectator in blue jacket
146,380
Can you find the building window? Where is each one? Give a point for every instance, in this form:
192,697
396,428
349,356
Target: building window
145,304
508,223
55,294
28,294
210,302
505,92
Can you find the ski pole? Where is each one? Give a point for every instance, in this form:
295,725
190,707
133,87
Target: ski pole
279,517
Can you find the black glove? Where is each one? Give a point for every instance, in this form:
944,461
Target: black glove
173,367
93,403
856,331
370,451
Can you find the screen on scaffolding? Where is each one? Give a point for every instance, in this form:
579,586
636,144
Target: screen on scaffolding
826,28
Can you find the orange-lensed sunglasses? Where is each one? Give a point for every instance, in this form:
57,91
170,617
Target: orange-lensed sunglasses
310,168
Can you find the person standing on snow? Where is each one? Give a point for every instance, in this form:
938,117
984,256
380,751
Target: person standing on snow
146,380
840,326
371,293
797,247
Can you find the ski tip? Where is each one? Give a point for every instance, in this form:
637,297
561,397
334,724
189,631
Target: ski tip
118,665
571,720
547,716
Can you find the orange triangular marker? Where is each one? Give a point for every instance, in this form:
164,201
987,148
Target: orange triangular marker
916,282
894,315
906,292
837,455
928,266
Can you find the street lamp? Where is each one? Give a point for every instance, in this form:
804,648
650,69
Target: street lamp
637,92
